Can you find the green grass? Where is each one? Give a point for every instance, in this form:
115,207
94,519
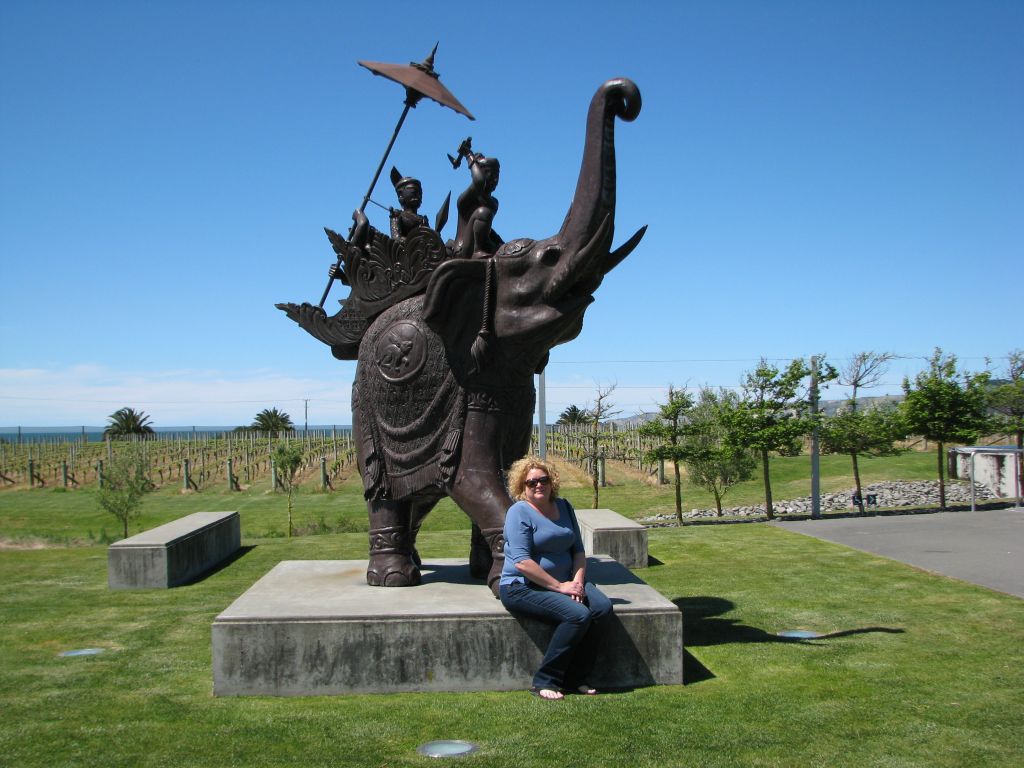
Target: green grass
918,670
921,670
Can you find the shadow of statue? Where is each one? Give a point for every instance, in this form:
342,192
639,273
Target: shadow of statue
703,625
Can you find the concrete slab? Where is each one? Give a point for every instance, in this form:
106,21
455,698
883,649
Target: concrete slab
315,627
173,554
609,533
985,547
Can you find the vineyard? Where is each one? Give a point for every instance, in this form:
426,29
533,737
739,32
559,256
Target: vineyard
194,461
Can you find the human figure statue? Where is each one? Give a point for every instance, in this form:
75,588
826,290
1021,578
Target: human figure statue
477,205
410,197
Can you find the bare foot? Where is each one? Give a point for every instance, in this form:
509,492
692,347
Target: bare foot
548,694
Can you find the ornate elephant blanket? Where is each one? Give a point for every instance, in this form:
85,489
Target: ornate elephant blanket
410,407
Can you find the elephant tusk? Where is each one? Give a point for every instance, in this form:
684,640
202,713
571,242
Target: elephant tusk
624,250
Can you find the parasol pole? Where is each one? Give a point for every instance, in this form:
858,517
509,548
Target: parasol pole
410,102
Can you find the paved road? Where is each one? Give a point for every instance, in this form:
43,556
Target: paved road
984,547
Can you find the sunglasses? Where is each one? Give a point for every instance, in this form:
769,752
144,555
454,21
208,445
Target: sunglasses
534,482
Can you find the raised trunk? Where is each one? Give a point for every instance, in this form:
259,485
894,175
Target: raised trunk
718,501
769,509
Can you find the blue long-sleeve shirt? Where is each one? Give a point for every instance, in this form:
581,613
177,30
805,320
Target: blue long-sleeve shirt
550,543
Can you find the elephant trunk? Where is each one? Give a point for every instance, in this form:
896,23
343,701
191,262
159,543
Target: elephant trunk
594,201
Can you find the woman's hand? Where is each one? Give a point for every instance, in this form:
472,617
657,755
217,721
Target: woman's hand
573,589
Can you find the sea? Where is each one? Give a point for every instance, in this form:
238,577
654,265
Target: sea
93,434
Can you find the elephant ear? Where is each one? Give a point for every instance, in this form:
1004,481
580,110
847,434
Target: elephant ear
455,308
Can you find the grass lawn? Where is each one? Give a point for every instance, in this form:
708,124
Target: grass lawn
920,671
917,670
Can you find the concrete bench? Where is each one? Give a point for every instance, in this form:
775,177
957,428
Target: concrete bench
175,553
609,533
314,627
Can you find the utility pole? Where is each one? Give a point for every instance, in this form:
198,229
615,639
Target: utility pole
542,427
815,465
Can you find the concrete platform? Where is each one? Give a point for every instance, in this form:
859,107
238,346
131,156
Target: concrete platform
609,533
314,627
173,554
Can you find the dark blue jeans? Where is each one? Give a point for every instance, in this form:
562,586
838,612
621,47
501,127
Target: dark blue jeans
570,655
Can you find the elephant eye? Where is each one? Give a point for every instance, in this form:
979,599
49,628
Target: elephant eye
550,255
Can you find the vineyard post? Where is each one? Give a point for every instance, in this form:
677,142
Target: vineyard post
600,467
273,476
185,474
31,473
99,473
64,472
323,473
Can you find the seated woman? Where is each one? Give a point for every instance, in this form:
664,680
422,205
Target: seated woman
545,578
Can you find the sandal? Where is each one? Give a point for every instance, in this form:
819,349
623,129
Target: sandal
586,690
548,694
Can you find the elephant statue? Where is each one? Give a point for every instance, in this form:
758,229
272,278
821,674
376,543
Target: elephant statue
447,347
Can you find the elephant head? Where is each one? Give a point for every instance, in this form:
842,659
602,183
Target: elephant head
505,312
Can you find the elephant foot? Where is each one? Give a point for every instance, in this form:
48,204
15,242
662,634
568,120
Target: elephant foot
496,545
392,571
392,559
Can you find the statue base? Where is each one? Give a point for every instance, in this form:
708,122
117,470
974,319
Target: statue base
314,627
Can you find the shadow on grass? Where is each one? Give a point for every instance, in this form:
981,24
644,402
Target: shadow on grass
701,626
235,556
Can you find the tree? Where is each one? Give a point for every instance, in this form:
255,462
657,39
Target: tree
124,484
945,406
669,431
854,433
593,439
273,421
127,421
851,435
573,415
1006,399
287,460
716,460
770,416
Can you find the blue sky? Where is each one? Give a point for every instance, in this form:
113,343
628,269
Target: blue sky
818,177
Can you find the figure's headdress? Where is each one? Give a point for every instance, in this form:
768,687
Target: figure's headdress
398,180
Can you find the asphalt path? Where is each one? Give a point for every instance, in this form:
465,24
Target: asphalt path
985,547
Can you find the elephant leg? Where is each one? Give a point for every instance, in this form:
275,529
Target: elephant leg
391,545
416,517
478,488
480,559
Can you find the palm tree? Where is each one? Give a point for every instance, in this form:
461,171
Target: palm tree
574,415
273,421
127,421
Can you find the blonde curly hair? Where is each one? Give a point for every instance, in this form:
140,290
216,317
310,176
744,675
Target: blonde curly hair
517,476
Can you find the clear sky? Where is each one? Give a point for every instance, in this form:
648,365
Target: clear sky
818,177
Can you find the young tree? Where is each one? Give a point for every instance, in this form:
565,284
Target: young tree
945,406
854,433
715,459
770,416
124,485
594,438
669,432
1006,399
287,460
127,421
847,432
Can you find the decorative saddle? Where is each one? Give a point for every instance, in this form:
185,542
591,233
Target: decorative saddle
381,273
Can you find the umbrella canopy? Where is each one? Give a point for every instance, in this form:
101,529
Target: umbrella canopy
419,80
